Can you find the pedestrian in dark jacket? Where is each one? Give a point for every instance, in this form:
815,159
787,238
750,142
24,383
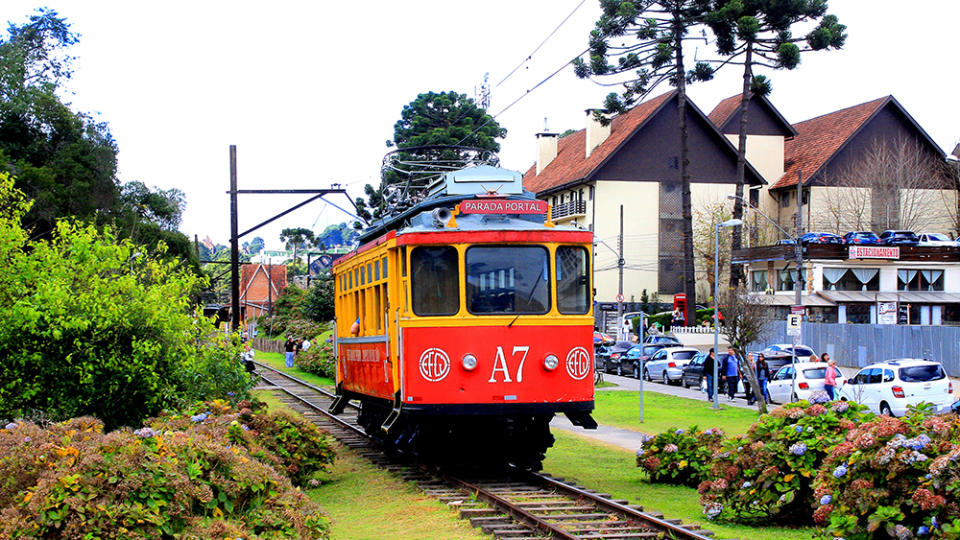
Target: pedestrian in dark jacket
289,349
708,367
763,375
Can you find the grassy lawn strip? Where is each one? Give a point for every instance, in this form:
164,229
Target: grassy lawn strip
613,470
275,360
661,412
368,503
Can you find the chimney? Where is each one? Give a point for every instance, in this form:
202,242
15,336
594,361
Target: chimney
546,149
596,133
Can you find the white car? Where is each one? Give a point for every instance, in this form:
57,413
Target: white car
666,365
802,351
892,386
936,239
810,377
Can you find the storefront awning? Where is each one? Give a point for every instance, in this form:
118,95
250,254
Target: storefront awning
809,300
913,297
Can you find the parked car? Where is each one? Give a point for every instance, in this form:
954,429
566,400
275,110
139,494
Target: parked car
802,352
775,359
935,240
899,238
611,355
809,379
892,386
863,238
785,242
666,365
692,373
661,339
631,363
820,238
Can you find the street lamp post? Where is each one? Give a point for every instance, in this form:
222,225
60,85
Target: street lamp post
716,309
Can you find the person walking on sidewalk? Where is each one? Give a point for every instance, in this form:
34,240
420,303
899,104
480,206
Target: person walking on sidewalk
830,379
732,373
708,366
289,349
763,375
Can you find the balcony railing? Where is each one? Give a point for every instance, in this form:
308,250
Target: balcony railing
569,210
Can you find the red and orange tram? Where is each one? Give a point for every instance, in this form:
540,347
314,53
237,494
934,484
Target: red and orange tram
465,323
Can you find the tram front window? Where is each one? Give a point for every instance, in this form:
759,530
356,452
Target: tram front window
436,280
573,293
508,279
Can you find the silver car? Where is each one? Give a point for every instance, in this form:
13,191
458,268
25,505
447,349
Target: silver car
666,365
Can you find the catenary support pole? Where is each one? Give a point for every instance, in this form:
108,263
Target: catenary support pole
234,243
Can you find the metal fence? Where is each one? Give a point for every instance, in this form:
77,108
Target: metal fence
857,345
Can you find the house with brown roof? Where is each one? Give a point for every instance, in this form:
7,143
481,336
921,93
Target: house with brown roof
260,285
865,167
634,163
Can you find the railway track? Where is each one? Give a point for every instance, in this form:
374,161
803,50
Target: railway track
520,505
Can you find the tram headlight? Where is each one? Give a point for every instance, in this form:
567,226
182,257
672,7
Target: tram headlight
551,362
469,362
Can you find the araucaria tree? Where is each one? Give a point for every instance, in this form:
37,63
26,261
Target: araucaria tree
642,43
760,33
436,128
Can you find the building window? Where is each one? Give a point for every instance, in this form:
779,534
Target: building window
851,279
858,313
786,279
785,199
919,280
950,315
759,281
581,196
591,193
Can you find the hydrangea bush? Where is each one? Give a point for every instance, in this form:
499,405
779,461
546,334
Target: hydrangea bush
892,477
213,472
766,476
318,359
679,456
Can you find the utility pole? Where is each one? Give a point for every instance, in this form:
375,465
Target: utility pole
234,243
797,248
620,278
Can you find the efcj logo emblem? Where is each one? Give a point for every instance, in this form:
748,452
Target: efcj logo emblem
434,364
578,363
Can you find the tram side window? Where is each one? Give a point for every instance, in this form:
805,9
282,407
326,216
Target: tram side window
573,294
435,280
508,279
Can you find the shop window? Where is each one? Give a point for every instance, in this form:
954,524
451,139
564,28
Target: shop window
822,314
919,280
858,313
787,278
950,315
758,280
851,279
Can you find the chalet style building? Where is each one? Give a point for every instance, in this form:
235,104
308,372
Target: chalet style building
260,285
634,163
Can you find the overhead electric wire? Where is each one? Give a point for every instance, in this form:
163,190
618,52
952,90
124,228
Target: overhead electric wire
530,56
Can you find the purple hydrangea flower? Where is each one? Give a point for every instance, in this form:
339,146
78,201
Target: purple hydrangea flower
798,449
678,432
923,530
840,471
11,425
230,394
144,432
200,417
826,499
799,429
745,485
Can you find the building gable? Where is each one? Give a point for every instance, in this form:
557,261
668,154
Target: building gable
762,117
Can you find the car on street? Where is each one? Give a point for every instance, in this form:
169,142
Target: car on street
631,363
775,359
666,365
809,379
898,238
652,340
777,350
861,238
610,355
820,238
935,240
890,387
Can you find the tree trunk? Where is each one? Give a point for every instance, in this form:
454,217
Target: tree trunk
745,96
689,278
754,384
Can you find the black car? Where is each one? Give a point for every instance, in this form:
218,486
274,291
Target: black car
611,355
899,238
693,372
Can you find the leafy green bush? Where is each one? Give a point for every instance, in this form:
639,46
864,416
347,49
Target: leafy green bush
766,476
203,476
318,305
892,477
318,359
680,457
89,325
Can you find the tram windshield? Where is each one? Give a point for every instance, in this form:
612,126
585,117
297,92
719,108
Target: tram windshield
436,280
573,283
508,279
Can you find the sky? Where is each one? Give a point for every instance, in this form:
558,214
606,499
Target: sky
309,91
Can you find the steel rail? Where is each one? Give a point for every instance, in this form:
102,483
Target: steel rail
514,510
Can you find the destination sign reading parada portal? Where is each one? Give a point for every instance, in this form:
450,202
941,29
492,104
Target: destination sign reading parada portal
500,206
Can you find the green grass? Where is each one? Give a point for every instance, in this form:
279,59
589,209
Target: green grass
661,412
275,360
613,470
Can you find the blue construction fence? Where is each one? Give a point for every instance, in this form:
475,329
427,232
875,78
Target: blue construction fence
858,345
